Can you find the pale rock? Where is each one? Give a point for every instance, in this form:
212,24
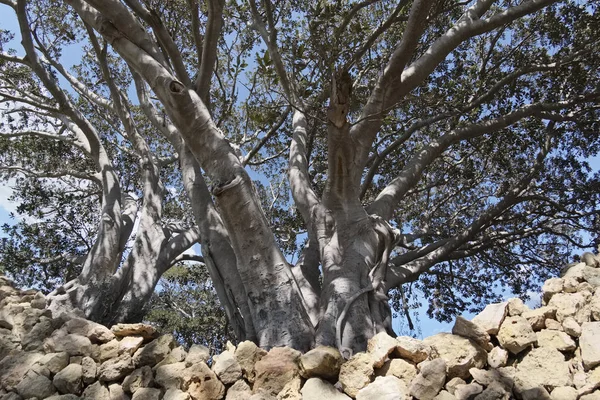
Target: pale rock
319,389
595,306
14,366
96,391
12,396
75,360
383,388
492,377
146,394
516,334
412,349
430,380
460,354
555,339
453,383
579,379
69,379
589,343
201,383
95,332
130,344
492,317
34,339
176,394
248,354
537,317
551,287
569,305
356,373
60,397
467,392
553,324
291,390
399,368
443,395
54,361
593,396
575,271
322,361
564,393
465,328
274,370
516,307
592,382
239,391
493,392
226,367
497,358
39,301
171,376
544,366
139,378
116,392
571,327
529,390
154,352
197,353
116,368
178,354
71,343
144,330
586,289
108,350
380,346
89,370
592,276
571,284
37,386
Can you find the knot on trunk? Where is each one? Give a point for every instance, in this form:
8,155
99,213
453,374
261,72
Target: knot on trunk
341,92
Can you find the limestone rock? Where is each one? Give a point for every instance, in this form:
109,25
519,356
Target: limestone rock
226,367
551,287
116,368
383,388
469,391
14,366
33,340
555,339
544,366
491,317
516,307
319,389
460,354
139,378
399,368
430,380
569,305
54,361
179,354
592,276
70,379
108,350
497,357
146,394
516,334
537,317
95,332
571,327
201,383
291,390
130,344
73,344
37,386
176,394
171,376
143,330
96,391
564,393
154,351
412,349
570,285
323,362
88,370
593,396
356,373
198,353
248,354
589,343
443,395
465,328
274,370
380,346
116,392
553,324
492,377
239,391
453,383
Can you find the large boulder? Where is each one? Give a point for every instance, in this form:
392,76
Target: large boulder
226,367
116,368
399,368
546,367
14,366
570,305
248,354
468,329
139,378
201,383
323,362
460,354
35,386
95,332
154,352
556,339
411,349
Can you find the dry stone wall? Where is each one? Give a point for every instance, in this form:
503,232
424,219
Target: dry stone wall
507,351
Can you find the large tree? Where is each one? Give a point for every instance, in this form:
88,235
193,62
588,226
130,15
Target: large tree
431,145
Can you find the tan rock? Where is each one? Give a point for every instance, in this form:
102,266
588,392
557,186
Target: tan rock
35,386
198,353
465,328
551,287
516,307
553,325
69,379
460,354
274,370
96,391
226,367
239,391
95,332
116,368
537,317
356,373
493,377
430,380
73,344
89,370
555,339
516,334
491,317
116,392
323,362
146,394
201,383
453,383
107,351
319,389
34,339
384,388
178,354
380,346
248,354
412,349
468,391
444,395
569,305
139,378
130,344
564,393
143,330
546,367
14,366
497,357
571,327
399,368
589,343
592,396
171,376
571,284
176,394
54,361
291,390
154,352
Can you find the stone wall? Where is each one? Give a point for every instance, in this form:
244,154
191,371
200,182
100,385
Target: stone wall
507,351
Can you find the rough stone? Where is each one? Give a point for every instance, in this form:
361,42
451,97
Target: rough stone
551,287
130,344
571,327
544,366
492,377
516,307
54,361
14,366
171,376
443,395
239,391
491,317
453,383
96,391
291,390
69,380
146,394
197,353
356,373
176,394
412,349
116,368
430,380
36,386
555,339
380,346
226,367
139,378
116,392
319,389
322,361
73,344
564,393
553,324
468,391
465,328
497,357
107,351
537,318
516,334
89,370
274,370
154,352
143,330
34,339
201,383
569,305
399,368
589,343
383,388
95,332
460,354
